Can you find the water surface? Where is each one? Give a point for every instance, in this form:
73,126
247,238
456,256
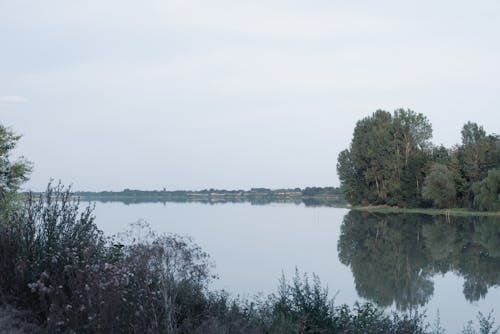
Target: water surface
402,262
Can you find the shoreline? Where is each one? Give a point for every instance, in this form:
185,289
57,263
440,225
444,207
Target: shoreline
458,212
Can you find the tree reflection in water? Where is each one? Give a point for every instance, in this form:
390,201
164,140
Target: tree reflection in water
393,257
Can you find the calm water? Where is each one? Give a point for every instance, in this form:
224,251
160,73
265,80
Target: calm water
397,261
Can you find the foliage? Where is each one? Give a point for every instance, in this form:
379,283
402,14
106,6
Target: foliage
59,264
487,192
486,325
478,154
391,155
12,173
384,161
439,187
350,178
302,307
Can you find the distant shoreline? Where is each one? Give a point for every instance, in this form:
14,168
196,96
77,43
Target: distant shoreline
309,196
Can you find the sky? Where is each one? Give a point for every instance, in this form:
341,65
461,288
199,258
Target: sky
187,94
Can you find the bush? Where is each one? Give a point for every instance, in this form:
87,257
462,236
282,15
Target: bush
58,263
301,307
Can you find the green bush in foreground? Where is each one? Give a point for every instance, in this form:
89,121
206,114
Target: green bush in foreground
58,265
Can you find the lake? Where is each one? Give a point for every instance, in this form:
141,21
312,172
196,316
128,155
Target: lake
398,261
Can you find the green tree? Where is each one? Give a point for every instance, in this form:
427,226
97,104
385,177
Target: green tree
384,148
478,154
12,173
414,132
458,178
350,178
487,192
439,186
371,154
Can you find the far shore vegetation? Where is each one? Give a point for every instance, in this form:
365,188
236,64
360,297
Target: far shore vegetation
310,196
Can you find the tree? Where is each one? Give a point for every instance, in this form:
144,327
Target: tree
371,154
439,186
487,192
478,154
414,131
384,146
350,179
472,133
12,173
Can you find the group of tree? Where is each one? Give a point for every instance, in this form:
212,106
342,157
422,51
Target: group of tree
392,161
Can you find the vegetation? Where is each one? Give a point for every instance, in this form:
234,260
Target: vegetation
391,161
12,173
310,196
439,187
487,192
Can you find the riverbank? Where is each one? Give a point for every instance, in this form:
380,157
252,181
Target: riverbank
458,212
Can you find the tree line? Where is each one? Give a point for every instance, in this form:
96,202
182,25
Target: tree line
392,161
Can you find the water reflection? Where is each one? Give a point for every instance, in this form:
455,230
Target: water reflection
312,201
393,257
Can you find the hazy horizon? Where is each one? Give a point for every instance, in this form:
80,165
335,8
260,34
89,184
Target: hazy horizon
233,95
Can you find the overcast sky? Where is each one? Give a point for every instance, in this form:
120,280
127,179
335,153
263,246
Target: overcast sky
233,94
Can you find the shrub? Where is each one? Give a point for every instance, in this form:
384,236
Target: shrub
59,264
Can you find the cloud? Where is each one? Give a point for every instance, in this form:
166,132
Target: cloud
13,99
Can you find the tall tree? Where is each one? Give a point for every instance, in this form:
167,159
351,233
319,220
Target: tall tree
371,153
472,133
414,132
383,148
478,154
